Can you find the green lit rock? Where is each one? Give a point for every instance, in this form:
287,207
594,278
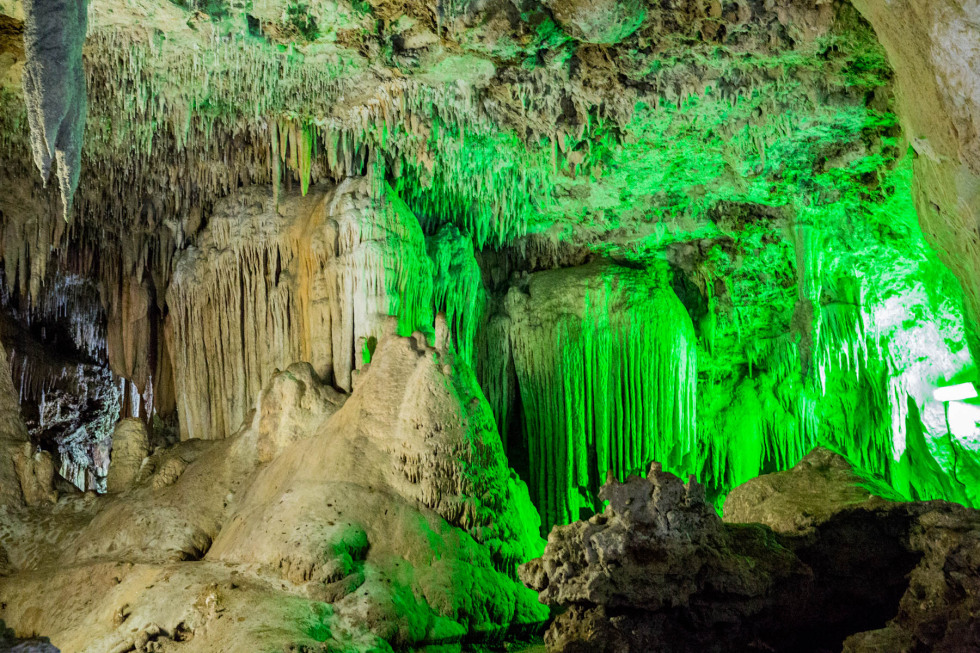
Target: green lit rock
603,356
599,21
832,567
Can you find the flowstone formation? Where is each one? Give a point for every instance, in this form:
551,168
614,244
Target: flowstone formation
266,540
831,566
604,359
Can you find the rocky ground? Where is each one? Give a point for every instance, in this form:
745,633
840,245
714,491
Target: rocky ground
827,566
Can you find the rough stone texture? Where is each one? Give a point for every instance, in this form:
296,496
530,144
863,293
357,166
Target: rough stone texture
934,47
10,643
658,565
925,556
13,436
598,21
130,446
819,487
831,566
35,469
393,518
292,405
54,88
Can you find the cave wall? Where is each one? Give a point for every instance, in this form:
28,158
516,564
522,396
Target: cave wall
934,48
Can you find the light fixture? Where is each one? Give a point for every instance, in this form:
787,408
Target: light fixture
955,392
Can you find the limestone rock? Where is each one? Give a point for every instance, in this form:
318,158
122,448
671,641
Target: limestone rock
393,520
405,481
291,406
658,565
130,446
13,436
659,571
10,643
819,486
934,47
271,281
912,565
36,472
54,88
598,21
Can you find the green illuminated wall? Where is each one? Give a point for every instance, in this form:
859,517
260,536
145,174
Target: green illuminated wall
760,283
811,323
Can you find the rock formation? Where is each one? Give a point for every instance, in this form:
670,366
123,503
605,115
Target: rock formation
714,234
657,570
912,565
13,438
575,343
273,280
130,446
267,539
54,88
934,48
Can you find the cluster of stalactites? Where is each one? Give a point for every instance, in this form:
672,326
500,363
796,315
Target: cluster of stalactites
607,388
835,381
306,279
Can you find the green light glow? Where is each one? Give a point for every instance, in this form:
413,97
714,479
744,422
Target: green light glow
955,392
608,385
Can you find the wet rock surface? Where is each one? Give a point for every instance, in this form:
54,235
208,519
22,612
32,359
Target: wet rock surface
658,570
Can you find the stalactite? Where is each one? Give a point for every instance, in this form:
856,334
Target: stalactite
458,289
54,88
607,371
309,280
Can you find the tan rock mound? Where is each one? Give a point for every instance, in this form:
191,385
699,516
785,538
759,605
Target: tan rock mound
390,521
130,446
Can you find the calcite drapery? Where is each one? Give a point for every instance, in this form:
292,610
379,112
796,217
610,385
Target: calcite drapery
55,88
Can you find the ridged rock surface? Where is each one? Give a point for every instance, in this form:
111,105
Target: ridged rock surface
273,280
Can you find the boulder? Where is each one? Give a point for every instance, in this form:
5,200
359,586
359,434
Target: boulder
833,566
912,565
658,565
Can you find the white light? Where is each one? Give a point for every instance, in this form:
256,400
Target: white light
955,392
